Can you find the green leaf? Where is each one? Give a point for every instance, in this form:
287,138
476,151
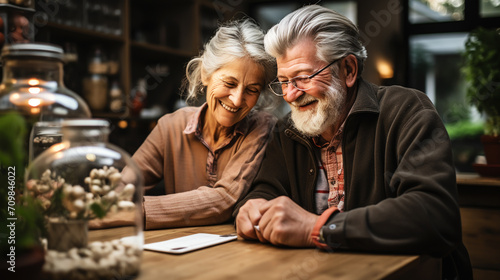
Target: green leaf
482,72
98,210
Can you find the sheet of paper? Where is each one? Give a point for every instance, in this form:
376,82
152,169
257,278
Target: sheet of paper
189,243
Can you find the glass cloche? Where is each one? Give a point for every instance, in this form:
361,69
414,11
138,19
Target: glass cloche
91,195
33,86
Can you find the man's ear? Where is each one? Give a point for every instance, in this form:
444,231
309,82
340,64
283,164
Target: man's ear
350,70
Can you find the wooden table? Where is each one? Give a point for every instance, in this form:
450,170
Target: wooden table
243,259
477,191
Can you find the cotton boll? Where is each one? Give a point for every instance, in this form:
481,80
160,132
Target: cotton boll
101,174
111,196
93,173
78,192
96,189
126,205
106,189
78,205
128,192
42,188
115,178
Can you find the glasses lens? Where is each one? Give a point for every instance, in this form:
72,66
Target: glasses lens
277,88
302,83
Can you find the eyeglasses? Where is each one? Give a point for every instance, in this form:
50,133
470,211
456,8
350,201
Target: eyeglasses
302,82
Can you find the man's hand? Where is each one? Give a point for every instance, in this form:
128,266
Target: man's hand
249,216
281,222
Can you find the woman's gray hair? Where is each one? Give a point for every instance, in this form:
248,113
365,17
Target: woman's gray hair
235,39
334,34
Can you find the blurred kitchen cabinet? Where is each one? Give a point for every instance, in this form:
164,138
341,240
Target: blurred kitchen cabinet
143,43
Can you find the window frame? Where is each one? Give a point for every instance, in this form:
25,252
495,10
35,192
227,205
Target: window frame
471,21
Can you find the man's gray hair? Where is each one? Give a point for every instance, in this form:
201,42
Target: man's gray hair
235,39
334,34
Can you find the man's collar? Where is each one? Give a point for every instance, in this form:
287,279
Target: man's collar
366,98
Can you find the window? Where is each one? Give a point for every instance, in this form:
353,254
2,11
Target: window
437,31
490,8
422,11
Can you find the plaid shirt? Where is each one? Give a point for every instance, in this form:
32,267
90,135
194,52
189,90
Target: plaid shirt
330,183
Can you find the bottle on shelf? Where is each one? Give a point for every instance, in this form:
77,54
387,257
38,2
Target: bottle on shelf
138,98
116,103
95,86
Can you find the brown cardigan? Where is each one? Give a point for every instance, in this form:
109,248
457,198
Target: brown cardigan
180,159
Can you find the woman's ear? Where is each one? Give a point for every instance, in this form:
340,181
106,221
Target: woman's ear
350,70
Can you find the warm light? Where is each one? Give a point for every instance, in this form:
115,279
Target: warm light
34,90
385,69
33,82
32,97
91,157
122,124
57,148
14,97
35,111
34,102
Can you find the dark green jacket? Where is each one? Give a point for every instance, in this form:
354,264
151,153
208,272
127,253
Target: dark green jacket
400,182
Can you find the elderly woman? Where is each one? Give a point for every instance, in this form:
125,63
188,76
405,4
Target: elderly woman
209,155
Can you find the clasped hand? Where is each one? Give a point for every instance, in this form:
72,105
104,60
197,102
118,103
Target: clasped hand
281,222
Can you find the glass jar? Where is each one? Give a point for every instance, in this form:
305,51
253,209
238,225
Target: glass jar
33,86
91,195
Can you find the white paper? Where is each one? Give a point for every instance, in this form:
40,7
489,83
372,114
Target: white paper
189,243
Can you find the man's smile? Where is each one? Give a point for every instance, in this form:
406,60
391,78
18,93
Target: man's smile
308,105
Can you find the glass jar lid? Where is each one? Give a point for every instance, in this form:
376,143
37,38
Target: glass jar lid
32,50
85,123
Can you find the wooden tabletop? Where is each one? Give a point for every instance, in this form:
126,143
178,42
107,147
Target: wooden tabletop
475,180
243,259
477,191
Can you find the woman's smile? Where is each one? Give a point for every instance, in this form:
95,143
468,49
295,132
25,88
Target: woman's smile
228,108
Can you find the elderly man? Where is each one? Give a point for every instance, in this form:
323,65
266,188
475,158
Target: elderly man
354,166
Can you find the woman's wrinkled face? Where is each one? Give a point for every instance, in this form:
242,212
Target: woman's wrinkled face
233,90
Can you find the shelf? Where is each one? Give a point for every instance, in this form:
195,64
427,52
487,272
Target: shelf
157,40
83,34
162,50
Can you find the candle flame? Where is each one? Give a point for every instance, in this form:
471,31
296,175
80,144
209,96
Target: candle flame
33,82
34,90
34,102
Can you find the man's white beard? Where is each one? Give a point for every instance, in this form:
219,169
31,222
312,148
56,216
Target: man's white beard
325,115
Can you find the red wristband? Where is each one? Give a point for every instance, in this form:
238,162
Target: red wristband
319,224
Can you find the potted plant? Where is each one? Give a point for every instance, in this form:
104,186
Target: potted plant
21,222
68,208
482,72
85,185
